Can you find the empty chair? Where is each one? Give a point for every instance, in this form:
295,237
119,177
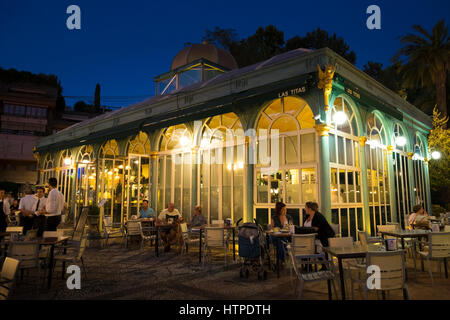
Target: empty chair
187,237
215,238
8,276
73,256
109,230
27,252
438,249
303,248
301,277
392,268
365,240
133,229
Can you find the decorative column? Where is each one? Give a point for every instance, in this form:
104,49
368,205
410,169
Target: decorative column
153,179
194,185
392,191
249,177
364,183
324,170
412,182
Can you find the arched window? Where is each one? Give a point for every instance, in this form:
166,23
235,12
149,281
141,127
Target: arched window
345,169
139,144
401,174
419,173
48,169
221,171
85,182
377,173
175,169
294,181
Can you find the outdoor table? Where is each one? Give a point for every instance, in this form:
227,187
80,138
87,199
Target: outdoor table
348,253
402,234
200,230
51,242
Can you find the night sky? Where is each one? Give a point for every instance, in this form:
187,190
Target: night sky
123,44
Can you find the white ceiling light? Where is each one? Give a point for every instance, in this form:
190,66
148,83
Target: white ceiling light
184,141
400,141
340,117
67,161
436,155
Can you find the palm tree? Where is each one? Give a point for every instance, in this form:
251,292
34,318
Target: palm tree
428,61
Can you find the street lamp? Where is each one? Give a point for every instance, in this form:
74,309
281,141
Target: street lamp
340,117
436,155
400,141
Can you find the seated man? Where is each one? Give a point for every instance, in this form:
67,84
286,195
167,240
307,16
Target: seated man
170,234
198,219
146,211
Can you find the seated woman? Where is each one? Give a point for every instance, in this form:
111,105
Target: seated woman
198,219
320,224
280,220
146,211
419,218
170,234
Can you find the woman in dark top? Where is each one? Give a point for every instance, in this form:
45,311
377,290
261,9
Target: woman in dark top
316,220
280,220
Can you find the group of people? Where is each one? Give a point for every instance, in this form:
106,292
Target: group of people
171,217
35,210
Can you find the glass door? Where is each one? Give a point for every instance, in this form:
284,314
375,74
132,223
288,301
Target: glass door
111,182
85,187
137,180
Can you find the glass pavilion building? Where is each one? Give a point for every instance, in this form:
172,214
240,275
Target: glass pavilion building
235,141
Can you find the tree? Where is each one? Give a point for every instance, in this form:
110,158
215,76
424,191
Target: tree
318,39
81,106
221,37
97,99
373,69
439,140
427,61
60,101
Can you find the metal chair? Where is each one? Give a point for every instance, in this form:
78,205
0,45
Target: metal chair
27,252
133,229
110,230
75,255
304,248
8,276
438,249
336,229
215,237
187,237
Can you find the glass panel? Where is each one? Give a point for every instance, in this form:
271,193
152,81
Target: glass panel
342,186
262,217
372,225
308,147
344,222
290,150
334,186
133,180
187,172
177,184
349,150
360,219
215,188
335,216
358,186
262,184
294,213
168,182
276,187
117,191
292,186
227,173
309,185
351,186
352,213
144,180
238,196
332,142
204,183
160,183
341,155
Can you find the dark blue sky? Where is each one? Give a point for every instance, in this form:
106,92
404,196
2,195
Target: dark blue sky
123,44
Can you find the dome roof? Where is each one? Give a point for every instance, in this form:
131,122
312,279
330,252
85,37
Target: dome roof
207,51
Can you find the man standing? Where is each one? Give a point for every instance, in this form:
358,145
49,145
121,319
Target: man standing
40,202
26,207
53,207
4,210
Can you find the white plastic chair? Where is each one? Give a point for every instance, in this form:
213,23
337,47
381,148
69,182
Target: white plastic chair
27,252
215,238
438,249
74,256
187,238
109,230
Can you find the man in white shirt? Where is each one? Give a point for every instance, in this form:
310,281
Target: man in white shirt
54,206
26,207
169,234
4,210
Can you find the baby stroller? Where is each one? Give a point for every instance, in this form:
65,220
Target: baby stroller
252,248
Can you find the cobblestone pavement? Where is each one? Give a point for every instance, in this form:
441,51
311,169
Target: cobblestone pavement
119,273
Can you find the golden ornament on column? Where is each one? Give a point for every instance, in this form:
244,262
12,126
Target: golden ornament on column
362,141
153,154
322,129
390,149
326,82
426,160
410,155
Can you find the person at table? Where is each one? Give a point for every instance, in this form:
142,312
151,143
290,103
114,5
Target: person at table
198,219
169,234
145,211
4,210
280,220
317,221
26,207
15,205
419,218
54,206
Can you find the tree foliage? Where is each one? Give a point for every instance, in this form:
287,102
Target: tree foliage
439,140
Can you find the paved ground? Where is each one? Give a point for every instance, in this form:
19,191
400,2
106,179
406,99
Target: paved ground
119,273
